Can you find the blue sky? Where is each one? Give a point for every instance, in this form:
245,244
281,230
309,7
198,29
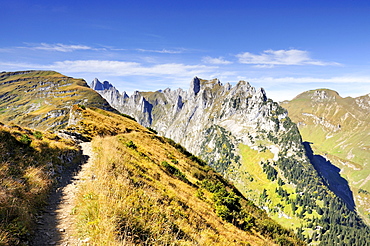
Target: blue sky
286,47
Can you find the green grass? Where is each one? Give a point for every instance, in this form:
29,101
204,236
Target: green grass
256,181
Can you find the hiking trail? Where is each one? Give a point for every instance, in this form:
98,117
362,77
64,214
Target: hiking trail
56,224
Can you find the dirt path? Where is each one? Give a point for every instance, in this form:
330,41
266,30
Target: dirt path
56,224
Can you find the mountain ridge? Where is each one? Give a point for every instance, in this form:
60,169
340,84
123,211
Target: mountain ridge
161,193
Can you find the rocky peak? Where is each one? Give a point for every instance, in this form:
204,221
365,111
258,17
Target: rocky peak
194,86
188,117
262,94
99,86
124,95
96,85
107,85
363,102
320,95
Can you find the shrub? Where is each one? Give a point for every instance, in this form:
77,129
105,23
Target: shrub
223,212
37,135
25,139
200,194
152,130
173,170
248,222
131,145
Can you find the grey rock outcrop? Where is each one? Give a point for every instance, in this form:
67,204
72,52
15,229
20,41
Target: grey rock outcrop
210,114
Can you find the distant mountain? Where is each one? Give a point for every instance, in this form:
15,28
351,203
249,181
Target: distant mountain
339,131
252,142
42,99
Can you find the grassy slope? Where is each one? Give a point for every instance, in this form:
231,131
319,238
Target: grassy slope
348,147
29,164
148,191
42,99
259,181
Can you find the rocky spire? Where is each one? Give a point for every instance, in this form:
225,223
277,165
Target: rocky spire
99,86
194,86
96,85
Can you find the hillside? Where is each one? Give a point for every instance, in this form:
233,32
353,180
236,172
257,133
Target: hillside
148,190
252,142
30,163
42,99
339,131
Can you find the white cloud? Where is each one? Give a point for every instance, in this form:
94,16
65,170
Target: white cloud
61,47
118,68
309,80
269,58
121,68
162,51
219,60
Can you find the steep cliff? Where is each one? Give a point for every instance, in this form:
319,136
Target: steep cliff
250,140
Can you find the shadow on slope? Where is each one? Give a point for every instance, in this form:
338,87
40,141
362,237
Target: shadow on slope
331,176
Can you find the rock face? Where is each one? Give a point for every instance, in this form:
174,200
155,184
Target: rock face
109,92
99,86
207,111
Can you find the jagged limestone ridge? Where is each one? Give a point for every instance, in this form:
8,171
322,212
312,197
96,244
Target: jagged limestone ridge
187,116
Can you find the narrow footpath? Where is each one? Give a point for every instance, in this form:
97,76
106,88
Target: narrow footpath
56,225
